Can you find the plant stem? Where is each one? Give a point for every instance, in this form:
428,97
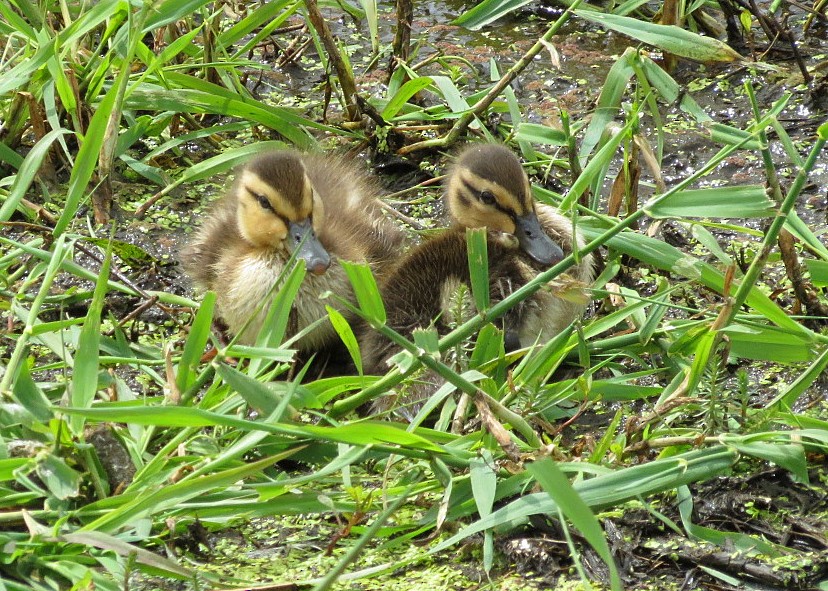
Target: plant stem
345,75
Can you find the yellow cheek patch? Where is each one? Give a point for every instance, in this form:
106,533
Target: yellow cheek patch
270,232
258,226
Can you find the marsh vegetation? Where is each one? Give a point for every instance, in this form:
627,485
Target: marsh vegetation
674,436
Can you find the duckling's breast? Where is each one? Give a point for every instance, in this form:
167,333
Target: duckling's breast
244,289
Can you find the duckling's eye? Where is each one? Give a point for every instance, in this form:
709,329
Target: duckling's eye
263,201
487,198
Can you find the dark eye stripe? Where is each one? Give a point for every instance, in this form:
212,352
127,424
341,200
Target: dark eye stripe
475,192
464,200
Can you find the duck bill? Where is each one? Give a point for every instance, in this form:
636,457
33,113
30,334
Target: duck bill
302,239
534,241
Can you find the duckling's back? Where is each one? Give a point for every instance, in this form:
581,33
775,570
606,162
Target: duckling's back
354,220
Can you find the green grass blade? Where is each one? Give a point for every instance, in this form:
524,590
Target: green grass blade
278,314
609,101
370,8
85,377
27,172
30,396
788,396
610,489
10,157
450,93
346,335
196,341
55,260
402,96
167,497
663,256
790,456
596,166
478,266
541,134
731,136
62,481
257,24
143,557
818,271
737,201
796,226
366,291
169,11
573,507
670,38
87,159
487,12
484,484
767,343
18,24
254,392
367,433
18,77
670,89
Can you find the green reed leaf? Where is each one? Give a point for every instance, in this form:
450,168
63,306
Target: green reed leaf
736,201
553,481
669,38
196,341
85,378
476,241
346,335
366,291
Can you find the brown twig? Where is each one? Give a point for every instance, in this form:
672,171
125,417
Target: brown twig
346,78
139,310
803,288
493,426
401,46
461,125
414,223
427,183
291,52
773,31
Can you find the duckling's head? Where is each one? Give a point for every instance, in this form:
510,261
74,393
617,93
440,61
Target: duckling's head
488,187
276,208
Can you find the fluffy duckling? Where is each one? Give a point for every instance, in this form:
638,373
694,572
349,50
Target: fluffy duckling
281,202
487,187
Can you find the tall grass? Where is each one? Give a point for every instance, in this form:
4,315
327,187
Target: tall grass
109,86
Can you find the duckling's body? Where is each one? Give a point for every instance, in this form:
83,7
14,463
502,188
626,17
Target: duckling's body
487,188
283,202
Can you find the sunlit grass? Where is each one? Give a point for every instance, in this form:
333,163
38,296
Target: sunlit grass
241,436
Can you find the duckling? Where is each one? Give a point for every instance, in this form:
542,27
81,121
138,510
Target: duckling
283,202
487,187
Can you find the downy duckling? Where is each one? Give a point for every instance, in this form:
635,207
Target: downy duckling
281,202
487,187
